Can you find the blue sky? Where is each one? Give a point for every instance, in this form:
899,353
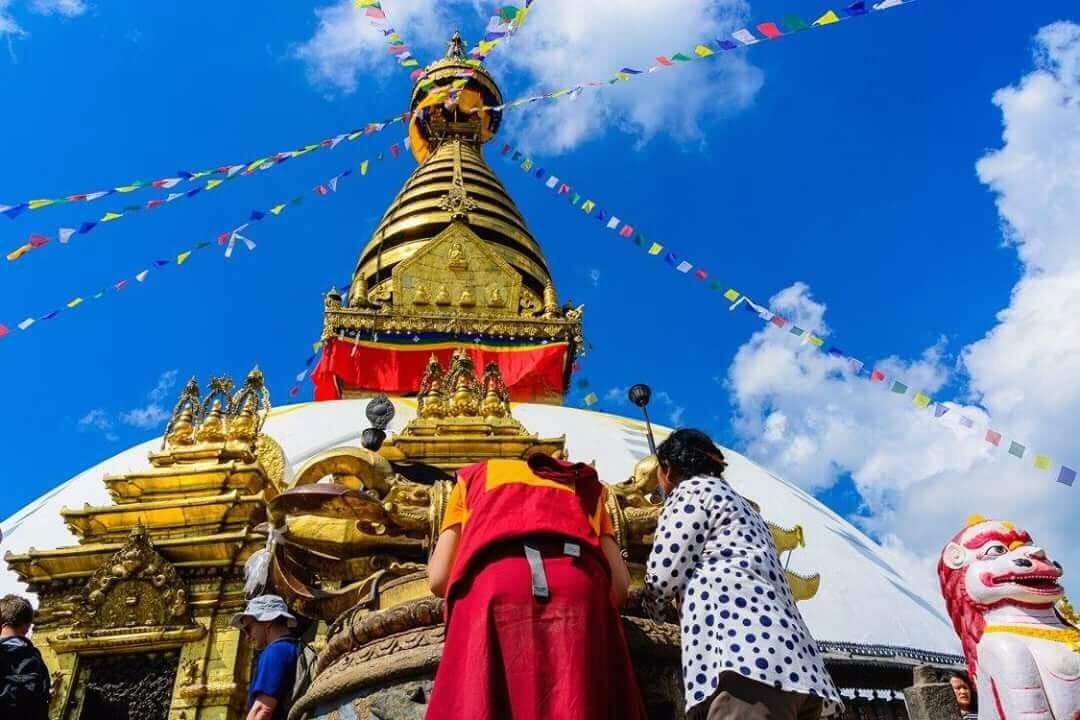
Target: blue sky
843,158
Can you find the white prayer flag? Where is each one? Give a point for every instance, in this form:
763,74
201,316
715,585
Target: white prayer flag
25,323
333,184
142,276
744,36
301,376
173,196
684,267
334,142
96,195
169,182
233,169
65,234
886,4
552,182
613,223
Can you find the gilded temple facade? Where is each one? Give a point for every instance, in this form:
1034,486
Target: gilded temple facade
453,312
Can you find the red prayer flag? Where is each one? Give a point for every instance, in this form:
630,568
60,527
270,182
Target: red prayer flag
769,30
154,203
75,198
701,274
663,61
415,74
627,231
3,330
158,184
563,189
877,376
506,149
120,285
778,321
321,190
397,49
395,150
994,438
223,238
37,241
294,391
375,13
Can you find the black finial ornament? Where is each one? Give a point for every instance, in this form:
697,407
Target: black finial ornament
640,395
456,47
379,411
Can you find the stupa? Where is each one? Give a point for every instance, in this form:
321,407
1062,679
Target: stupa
450,346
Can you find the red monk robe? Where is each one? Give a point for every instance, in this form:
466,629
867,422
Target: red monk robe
510,655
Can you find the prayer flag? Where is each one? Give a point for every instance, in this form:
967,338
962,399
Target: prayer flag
827,19
1042,462
316,346
35,204
587,206
18,253
994,438
591,399
796,330
76,302
818,342
193,193
552,182
539,174
363,167
87,227
527,165
257,215
886,4
684,267
25,323
639,240
630,71
921,400
769,30
940,410
321,190
600,215
1067,476
182,257
575,198
395,150
778,321
294,391
142,275
626,231
211,184
744,36
333,184
277,209
161,263
613,223
680,57
732,294
856,8
65,234
967,422
670,258
702,51
563,189
655,249
121,285
110,216
856,365
301,376
156,202
1016,449
50,315
726,44
877,376
3,330
13,212
37,241
700,274
664,61
899,388
173,196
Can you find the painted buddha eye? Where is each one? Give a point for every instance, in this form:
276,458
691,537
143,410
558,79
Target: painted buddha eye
995,550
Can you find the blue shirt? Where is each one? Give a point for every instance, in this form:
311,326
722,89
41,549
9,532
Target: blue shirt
275,674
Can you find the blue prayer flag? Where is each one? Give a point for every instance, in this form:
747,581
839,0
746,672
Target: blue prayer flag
856,8
87,227
1066,476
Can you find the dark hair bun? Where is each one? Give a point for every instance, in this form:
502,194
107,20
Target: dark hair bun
691,453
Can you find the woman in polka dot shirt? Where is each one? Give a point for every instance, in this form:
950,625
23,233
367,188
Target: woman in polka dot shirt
746,653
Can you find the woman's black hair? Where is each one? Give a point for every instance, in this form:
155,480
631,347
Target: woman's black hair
689,453
974,708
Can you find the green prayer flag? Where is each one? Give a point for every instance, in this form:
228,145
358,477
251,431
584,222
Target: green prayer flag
297,200
575,199
899,388
681,58
714,285
1017,449
794,23
639,239
202,245
796,330
132,208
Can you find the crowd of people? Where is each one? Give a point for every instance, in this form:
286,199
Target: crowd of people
533,580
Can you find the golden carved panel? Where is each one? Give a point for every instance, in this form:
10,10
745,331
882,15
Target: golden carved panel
457,270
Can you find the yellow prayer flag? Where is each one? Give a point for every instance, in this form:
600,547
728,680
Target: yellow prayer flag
921,400
827,19
315,347
815,340
703,51
363,167
182,257
587,206
202,173
559,93
211,184
591,399
622,76
35,204
277,209
527,165
256,164
18,253
366,3
732,295
353,136
75,303
1042,462
111,216
127,188
655,249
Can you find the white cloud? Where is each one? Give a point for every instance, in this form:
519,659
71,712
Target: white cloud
8,26
98,419
153,413
345,46
564,42
801,413
67,8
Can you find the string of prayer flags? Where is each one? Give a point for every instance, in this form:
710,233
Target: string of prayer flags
921,400
38,240
228,238
501,25
374,11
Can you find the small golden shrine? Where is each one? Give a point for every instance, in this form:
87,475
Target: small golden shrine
143,601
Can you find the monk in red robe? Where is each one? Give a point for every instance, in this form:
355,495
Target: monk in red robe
532,577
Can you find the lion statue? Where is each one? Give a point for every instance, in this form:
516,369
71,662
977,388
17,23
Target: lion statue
1001,590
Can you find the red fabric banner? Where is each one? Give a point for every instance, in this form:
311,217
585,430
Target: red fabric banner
532,373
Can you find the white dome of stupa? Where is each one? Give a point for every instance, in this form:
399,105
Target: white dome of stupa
863,598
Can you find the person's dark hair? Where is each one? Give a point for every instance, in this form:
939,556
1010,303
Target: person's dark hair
971,689
16,611
689,453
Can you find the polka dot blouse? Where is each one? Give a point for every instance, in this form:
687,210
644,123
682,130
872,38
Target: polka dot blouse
714,556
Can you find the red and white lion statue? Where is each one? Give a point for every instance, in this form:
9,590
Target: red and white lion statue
1001,591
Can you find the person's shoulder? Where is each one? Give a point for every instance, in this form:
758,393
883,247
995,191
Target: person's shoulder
283,650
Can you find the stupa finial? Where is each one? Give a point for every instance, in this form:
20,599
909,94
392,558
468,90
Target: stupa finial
456,47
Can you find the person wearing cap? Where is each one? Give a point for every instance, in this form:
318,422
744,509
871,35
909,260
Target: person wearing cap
532,575
266,622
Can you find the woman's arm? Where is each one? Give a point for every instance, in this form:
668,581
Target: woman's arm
673,558
442,560
620,576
